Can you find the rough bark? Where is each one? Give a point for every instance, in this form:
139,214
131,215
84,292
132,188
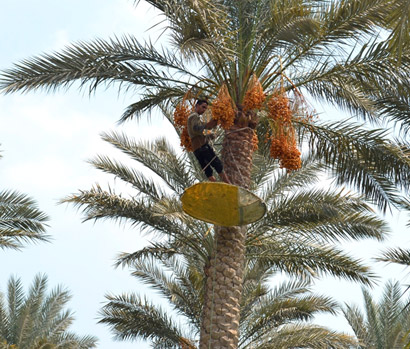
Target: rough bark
223,289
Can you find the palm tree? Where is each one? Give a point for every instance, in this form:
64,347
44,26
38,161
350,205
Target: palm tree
20,220
297,236
349,53
37,320
385,324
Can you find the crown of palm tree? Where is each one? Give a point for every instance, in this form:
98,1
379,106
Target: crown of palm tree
38,320
20,220
384,324
352,54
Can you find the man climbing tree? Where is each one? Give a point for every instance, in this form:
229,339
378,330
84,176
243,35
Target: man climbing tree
201,148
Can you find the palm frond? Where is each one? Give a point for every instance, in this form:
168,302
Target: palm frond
135,178
364,159
100,204
176,288
286,303
69,340
20,220
124,60
158,156
324,215
131,317
357,322
384,323
301,335
299,258
396,255
399,21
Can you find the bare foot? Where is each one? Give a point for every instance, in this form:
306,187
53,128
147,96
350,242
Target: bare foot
224,177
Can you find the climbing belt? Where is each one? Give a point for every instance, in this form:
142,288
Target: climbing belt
230,151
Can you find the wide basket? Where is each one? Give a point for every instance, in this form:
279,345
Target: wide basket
222,204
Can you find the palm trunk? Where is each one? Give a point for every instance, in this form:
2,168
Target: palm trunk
223,290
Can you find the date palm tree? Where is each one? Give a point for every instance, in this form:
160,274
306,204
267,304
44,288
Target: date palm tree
352,54
37,320
298,236
384,324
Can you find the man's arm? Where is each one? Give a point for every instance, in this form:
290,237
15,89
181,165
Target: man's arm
198,126
211,124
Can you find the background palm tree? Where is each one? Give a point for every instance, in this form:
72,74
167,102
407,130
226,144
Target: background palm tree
299,236
20,220
37,320
291,45
384,324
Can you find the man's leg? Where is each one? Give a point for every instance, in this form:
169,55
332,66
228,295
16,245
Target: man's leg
216,163
203,158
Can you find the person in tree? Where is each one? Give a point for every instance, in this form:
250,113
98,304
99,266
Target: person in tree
201,148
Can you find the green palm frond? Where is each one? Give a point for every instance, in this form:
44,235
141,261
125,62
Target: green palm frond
351,18
20,220
399,21
131,317
158,156
390,311
396,255
49,325
366,93
125,61
15,302
357,322
289,301
152,99
373,318
384,323
30,310
365,159
157,250
137,179
301,335
100,204
181,281
298,257
177,289
4,321
69,340
275,183
322,214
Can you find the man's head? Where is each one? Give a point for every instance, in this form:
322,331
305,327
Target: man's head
201,106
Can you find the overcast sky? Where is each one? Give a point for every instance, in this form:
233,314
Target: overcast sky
46,140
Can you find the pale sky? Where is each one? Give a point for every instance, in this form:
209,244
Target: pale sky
46,140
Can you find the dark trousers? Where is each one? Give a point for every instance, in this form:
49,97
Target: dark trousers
207,158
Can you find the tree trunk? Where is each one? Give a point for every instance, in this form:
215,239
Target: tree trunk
223,289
